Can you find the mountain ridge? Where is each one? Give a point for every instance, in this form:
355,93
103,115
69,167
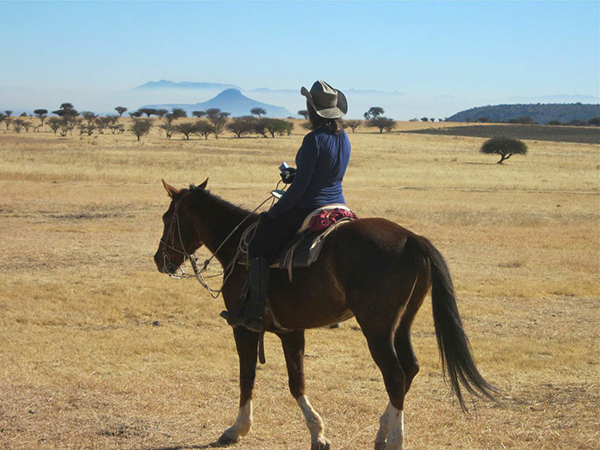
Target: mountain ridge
231,101
192,85
538,112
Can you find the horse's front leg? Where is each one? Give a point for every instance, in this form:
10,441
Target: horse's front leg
247,344
293,348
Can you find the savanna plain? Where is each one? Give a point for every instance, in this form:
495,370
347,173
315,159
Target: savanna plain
100,351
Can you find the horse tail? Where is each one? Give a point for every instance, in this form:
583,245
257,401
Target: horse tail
453,344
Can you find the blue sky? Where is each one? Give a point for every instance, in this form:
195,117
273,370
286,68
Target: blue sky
464,49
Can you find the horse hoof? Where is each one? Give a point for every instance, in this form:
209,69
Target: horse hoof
225,441
320,445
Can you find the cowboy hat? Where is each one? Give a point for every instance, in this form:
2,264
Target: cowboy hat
327,102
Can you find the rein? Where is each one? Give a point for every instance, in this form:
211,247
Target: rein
179,273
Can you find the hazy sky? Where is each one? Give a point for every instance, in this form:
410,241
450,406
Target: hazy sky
463,49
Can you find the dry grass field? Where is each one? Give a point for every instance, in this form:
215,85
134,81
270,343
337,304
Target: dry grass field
100,351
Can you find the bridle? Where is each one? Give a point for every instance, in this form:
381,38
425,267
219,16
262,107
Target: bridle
179,273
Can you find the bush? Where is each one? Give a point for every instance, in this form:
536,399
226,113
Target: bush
525,120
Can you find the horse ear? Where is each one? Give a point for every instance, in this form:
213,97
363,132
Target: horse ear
172,191
203,185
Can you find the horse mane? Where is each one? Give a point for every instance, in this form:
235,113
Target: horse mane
238,210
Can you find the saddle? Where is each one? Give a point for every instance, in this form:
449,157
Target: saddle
303,249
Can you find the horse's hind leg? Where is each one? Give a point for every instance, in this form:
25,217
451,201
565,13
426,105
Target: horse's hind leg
402,342
378,327
293,348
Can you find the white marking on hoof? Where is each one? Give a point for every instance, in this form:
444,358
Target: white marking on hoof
382,434
314,424
395,439
240,428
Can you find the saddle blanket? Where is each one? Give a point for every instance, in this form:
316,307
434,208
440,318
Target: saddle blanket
303,249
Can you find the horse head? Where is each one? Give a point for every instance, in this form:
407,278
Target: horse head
180,237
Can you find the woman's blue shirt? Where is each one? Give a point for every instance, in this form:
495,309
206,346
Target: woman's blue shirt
321,164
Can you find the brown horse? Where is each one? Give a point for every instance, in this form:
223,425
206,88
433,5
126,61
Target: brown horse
372,269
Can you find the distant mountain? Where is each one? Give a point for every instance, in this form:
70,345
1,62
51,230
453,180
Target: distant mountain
540,113
231,101
556,99
166,84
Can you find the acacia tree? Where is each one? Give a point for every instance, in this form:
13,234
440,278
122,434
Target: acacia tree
102,123
68,124
148,111
168,128
503,146
89,116
383,123
54,123
186,128
353,124
241,125
162,112
218,119
258,112
204,128
66,110
198,114
303,113
120,110
41,114
260,127
141,127
277,126
178,113
373,113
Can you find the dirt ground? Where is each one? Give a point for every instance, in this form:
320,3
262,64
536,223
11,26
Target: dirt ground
100,351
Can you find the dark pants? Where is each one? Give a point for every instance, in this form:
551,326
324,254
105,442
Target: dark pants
270,234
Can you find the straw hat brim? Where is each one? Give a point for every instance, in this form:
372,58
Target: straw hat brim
335,112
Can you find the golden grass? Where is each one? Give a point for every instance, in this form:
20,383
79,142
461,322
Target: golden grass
83,366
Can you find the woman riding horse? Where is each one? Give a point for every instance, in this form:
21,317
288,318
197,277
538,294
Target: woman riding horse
321,164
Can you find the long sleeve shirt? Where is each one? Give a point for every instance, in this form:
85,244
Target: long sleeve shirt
321,164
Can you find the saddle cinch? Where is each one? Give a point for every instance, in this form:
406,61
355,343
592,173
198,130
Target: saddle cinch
304,247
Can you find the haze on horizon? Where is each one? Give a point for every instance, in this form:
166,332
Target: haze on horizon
442,56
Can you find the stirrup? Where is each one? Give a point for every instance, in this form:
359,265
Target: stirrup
230,318
255,325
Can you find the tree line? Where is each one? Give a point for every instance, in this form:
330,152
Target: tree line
66,120
213,121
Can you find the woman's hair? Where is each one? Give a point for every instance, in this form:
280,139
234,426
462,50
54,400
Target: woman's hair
332,126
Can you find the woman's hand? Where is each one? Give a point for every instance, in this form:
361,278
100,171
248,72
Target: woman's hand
288,175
